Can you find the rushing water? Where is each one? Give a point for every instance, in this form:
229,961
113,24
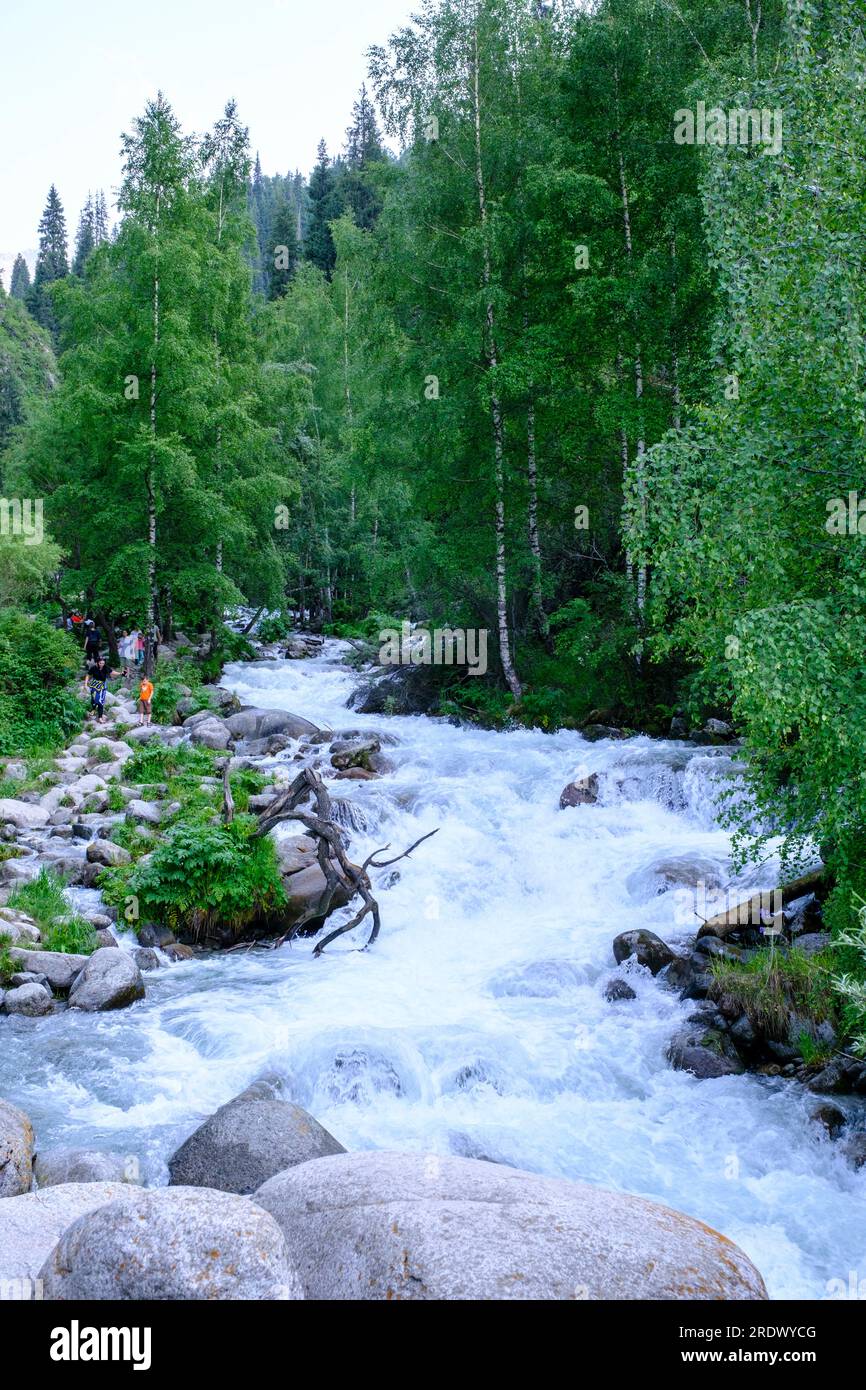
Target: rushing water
477,1025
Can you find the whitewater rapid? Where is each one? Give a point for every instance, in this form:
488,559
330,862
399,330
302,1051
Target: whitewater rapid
477,1024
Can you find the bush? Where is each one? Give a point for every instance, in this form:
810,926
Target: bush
38,664
44,899
204,876
274,627
155,761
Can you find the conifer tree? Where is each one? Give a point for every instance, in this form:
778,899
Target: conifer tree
20,281
324,209
51,263
85,240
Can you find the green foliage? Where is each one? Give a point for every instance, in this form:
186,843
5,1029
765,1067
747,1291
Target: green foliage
776,987
274,627
203,876
62,929
155,761
38,663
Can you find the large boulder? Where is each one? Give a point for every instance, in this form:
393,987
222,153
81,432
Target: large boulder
647,948
107,854
209,730
84,1165
16,1153
172,1244
416,1227
247,1141
109,980
32,1224
705,1052
22,814
28,1000
260,723
59,967
303,880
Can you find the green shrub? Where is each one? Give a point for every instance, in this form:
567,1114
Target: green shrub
62,929
155,761
38,665
203,876
274,627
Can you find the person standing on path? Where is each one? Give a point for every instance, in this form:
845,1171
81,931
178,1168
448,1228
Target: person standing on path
145,700
96,682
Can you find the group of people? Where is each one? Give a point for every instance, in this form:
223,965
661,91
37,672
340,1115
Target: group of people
131,648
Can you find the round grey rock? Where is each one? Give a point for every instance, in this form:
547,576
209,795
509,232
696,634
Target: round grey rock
416,1228
110,980
247,1141
169,1244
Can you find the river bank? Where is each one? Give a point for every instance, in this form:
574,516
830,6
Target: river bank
479,1025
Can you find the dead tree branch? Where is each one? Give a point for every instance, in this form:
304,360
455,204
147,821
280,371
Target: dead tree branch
339,873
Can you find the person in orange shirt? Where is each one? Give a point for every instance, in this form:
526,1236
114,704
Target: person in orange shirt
145,698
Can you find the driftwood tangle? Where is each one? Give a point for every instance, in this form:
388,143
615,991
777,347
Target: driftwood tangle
338,871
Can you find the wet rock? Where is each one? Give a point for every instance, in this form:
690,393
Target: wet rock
61,1166
596,732
247,1141
109,980
346,755
647,948
168,1244
22,814
618,989
355,774
152,934
711,946
830,1117
176,952
30,1001
105,938
581,793
146,958
854,1149
415,1227
705,1052
107,853
830,1080
16,1154
743,1033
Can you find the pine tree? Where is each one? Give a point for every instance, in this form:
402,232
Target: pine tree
51,263
85,240
324,208
100,219
357,181
283,250
20,282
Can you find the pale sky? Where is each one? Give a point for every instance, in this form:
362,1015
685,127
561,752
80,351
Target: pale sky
74,76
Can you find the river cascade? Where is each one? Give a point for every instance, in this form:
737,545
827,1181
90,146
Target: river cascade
477,1025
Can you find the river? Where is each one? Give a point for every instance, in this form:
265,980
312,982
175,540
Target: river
477,1024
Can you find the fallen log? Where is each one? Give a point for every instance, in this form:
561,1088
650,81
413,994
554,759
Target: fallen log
762,908
337,869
